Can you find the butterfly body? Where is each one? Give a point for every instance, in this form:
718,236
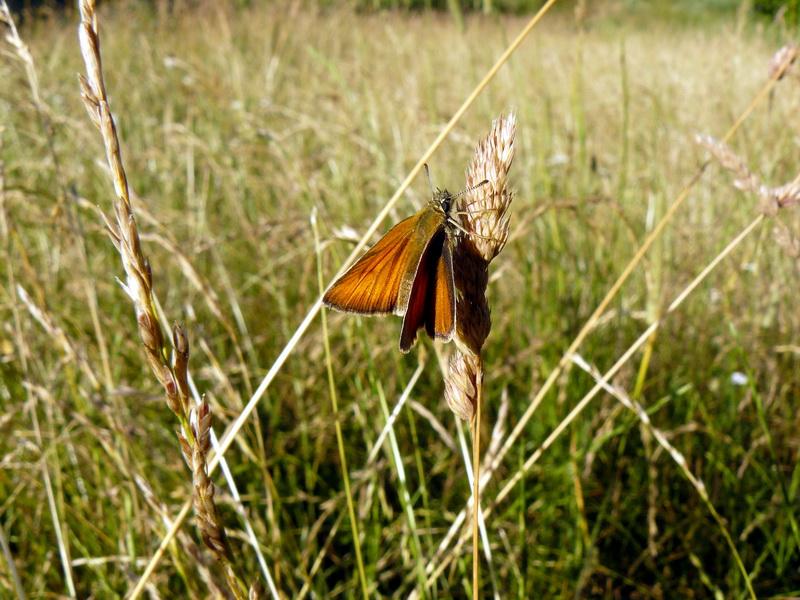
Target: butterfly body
408,272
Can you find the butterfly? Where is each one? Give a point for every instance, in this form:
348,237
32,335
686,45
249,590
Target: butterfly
409,272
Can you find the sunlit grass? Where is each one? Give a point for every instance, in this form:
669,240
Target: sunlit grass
237,125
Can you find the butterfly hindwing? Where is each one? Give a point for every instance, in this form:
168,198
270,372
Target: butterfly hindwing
431,302
441,317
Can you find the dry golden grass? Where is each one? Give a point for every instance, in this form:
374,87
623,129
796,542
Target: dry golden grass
235,126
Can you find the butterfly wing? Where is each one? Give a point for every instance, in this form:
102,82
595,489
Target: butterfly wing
441,318
432,300
372,285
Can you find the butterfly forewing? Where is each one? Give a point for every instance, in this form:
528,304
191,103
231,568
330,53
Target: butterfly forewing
372,284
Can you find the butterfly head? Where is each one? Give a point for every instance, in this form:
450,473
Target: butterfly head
442,201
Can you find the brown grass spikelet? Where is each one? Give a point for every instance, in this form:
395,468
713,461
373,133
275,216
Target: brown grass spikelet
787,241
484,218
180,366
195,451
770,199
211,530
461,385
783,59
745,179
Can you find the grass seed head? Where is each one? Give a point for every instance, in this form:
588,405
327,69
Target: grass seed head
783,59
484,221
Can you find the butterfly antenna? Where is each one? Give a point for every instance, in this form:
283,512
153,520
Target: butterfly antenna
470,189
428,174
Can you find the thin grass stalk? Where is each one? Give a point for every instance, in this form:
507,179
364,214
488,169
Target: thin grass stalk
653,277
594,318
315,308
476,483
362,578
12,567
404,494
58,526
392,451
465,447
31,401
388,427
306,589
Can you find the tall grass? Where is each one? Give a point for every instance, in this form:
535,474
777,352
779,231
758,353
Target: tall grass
236,125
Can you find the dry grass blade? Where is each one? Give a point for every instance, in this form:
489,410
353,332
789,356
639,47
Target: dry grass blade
12,567
58,336
373,453
362,578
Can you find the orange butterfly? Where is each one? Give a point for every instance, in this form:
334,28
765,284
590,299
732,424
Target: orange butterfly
409,272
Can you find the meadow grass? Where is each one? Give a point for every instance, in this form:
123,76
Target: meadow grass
236,126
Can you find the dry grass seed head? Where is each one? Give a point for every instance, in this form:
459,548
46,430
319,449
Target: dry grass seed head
785,56
770,199
484,219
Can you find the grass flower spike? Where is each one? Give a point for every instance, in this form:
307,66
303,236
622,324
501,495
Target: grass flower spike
484,218
484,221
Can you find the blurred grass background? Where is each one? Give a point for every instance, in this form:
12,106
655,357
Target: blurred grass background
237,122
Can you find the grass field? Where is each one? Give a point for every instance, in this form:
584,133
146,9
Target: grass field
238,125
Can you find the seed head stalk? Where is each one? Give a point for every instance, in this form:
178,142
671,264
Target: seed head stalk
484,225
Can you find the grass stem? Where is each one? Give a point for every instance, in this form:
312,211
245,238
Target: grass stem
336,420
476,482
